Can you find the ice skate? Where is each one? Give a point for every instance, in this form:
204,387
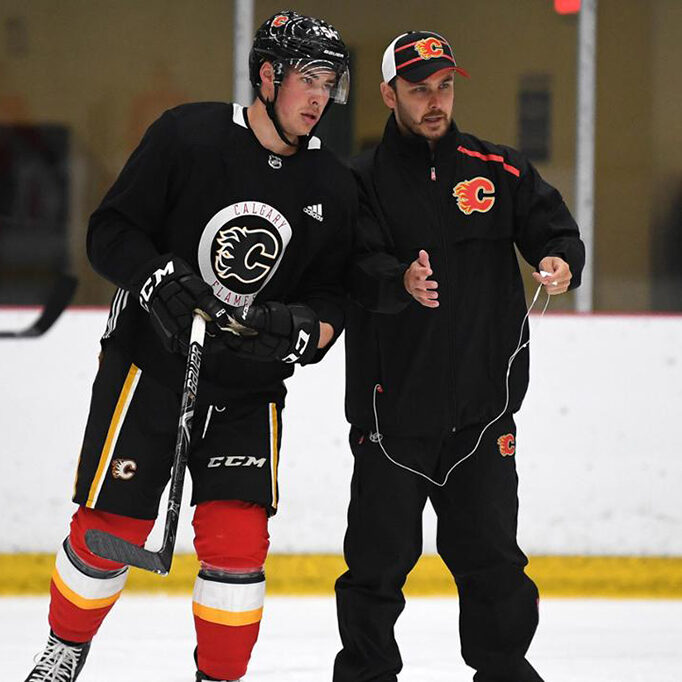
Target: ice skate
59,662
205,678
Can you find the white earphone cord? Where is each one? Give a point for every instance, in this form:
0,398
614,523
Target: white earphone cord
519,347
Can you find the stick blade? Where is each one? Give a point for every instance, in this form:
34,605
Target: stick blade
111,547
61,296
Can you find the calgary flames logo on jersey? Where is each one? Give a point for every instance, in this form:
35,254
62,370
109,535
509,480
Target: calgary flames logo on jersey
477,194
245,254
507,445
429,48
241,248
280,20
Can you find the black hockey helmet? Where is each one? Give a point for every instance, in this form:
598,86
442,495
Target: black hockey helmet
290,39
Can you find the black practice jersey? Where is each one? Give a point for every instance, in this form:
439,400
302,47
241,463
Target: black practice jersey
255,225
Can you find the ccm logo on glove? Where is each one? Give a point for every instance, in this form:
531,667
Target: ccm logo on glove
286,333
171,294
152,282
299,347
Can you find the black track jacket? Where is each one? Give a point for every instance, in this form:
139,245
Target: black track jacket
468,204
251,223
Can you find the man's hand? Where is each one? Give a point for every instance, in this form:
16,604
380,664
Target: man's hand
417,283
558,278
326,334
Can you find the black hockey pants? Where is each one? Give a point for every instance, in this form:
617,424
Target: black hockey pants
476,537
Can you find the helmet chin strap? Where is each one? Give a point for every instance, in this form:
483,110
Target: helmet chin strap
272,114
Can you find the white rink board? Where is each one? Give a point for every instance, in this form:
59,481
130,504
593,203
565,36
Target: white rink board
597,449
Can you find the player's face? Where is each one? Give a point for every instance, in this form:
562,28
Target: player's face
302,98
423,108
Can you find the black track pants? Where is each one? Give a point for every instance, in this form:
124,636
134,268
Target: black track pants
476,537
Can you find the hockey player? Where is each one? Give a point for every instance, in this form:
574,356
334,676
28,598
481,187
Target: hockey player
219,206
426,384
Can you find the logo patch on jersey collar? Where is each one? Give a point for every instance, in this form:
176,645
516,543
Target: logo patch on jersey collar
241,248
274,162
314,211
477,194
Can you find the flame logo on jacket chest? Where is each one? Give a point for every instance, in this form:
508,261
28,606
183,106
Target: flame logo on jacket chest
477,194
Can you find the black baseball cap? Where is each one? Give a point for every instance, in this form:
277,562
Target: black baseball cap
416,55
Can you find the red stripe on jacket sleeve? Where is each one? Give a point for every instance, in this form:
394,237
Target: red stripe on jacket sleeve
491,157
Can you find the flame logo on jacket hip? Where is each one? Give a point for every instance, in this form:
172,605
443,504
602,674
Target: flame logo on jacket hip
507,444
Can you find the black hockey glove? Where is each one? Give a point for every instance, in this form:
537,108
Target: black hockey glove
171,293
289,333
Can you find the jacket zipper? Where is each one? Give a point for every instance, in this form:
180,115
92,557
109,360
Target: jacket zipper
451,315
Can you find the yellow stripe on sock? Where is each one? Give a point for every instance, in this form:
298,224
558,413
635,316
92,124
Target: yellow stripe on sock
81,602
227,617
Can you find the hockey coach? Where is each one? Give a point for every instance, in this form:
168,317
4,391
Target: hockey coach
439,315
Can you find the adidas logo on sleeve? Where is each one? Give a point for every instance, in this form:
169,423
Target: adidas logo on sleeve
314,211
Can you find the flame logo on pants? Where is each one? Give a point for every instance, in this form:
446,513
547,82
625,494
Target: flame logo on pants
477,194
123,469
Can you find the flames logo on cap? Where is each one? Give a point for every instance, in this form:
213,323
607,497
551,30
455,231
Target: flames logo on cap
477,194
429,48
507,445
279,20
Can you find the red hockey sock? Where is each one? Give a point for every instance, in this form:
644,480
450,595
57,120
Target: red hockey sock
231,540
84,587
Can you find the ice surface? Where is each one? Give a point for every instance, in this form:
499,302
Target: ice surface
152,638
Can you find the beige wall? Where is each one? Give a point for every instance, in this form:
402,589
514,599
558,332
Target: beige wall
107,68
623,153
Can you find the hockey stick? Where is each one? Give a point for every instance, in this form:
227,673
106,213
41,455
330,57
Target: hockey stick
114,548
60,297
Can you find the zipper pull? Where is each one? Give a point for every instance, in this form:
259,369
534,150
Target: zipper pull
433,174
